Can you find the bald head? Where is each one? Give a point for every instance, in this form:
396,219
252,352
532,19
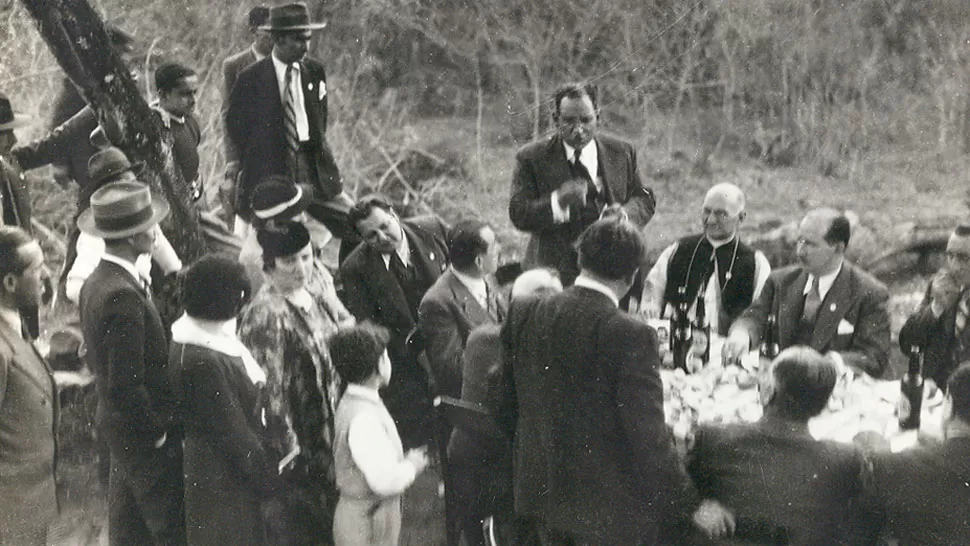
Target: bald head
536,282
723,211
823,236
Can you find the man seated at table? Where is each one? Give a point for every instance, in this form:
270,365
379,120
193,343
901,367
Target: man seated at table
782,485
732,273
920,496
940,326
824,302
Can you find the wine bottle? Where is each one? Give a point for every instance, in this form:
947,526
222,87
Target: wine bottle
911,391
701,331
769,344
680,332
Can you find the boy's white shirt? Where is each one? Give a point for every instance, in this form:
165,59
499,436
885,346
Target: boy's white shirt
386,473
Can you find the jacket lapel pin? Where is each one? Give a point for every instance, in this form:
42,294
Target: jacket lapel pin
310,86
431,256
832,308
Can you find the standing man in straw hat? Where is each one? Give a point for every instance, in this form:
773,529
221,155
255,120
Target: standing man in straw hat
137,391
277,121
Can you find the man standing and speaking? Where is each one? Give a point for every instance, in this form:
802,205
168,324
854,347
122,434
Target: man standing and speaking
562,184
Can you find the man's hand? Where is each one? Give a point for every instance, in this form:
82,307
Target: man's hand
714,519
735,346
418,457
572,193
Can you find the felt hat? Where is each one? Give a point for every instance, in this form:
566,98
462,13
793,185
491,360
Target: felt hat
275,197
295,16
8,118
122,209
108,163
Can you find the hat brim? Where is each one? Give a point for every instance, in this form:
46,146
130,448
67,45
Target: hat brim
19,120
308,26
160,209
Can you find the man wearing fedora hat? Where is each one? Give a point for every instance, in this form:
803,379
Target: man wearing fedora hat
138,393
14,195
277,122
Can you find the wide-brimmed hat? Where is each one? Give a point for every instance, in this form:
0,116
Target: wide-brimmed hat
122,209
287,17
108,163
276,197
8,118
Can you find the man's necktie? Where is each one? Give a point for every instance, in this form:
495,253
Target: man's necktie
813,301
401,271
591,192
289,110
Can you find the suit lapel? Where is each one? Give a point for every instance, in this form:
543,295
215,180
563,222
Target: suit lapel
470,307
386,284
836,303
23,353
790,310
556,166
423,252
497,302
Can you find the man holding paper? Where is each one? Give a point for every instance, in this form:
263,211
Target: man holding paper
823,302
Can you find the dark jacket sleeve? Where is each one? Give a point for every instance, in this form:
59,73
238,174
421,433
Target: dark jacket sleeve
528,209
921,327
239,120
754,318
639,401
124,350
641,201
443,343
355,295
214,402
55,145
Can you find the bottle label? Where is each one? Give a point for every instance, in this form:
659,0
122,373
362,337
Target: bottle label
903,408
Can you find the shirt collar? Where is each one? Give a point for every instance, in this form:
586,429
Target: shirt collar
476,286
825,282
586,282
11,317
586,155
167,117
403,251
125,264
364,392
259,56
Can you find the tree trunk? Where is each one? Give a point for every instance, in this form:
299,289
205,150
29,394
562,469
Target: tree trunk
76,36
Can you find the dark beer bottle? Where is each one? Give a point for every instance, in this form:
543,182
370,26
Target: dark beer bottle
769,344
911,391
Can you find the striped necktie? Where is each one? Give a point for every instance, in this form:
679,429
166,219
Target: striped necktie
813,300
289,110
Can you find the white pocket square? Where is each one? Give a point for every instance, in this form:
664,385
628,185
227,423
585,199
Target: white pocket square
845,327
322,90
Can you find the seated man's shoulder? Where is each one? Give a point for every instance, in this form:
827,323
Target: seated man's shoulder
870,283
427,223
613,141
533,149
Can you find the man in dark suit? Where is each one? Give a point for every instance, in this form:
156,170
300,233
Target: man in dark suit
462,298
825,302
562,184
594,462
127,347
28,400
482,465
384,280
277,121
782,486
14,194
920,496
940,326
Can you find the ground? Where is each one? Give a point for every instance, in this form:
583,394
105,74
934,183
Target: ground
886,188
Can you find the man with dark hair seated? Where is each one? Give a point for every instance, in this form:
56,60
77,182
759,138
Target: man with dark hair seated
921,496
782,485
824,302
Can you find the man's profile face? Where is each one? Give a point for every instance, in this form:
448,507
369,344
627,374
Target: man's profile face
817,255
576,121
489,261
180,101
958,259
381,230
31,282
291,47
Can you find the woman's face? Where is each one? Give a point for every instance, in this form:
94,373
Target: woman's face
292,272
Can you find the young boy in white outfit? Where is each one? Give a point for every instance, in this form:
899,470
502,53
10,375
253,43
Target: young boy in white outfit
371,466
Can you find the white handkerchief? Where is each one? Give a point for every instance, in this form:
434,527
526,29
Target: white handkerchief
845,327
322,90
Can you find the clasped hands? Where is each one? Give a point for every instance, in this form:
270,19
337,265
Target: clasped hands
714,519
573,192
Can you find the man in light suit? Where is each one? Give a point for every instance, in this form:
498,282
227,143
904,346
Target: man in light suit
920,496
562,184
461,299
28,400
138,394
384,279
277,122
594,463
824,302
